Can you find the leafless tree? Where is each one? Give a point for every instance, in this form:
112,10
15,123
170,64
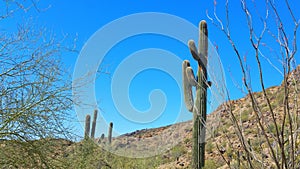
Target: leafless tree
35,92
271,140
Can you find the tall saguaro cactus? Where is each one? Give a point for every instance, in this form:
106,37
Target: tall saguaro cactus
87,126
94,124
110,132
198,107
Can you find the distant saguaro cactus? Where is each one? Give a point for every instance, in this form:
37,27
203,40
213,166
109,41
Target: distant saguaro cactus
110,132
94,124
101,139
199,106
87,126
102,136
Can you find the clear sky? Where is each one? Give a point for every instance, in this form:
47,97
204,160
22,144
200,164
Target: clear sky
82,19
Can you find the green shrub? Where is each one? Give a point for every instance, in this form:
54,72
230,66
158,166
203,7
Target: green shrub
209,147
245,116
178,151
210,164
187,140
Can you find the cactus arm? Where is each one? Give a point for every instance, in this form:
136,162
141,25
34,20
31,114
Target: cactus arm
193,50
191,77
188,95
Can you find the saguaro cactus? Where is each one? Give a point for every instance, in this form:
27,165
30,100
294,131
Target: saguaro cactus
87,126
94,124
198,107
110,132
102,136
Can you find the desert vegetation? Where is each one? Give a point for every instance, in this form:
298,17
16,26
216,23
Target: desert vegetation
260,130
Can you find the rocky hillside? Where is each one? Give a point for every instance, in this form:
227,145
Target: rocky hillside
222,133
170,146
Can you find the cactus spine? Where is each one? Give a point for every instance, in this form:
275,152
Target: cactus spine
199,106
87,126
94,124
110,132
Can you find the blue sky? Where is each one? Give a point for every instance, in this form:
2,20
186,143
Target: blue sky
81,19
